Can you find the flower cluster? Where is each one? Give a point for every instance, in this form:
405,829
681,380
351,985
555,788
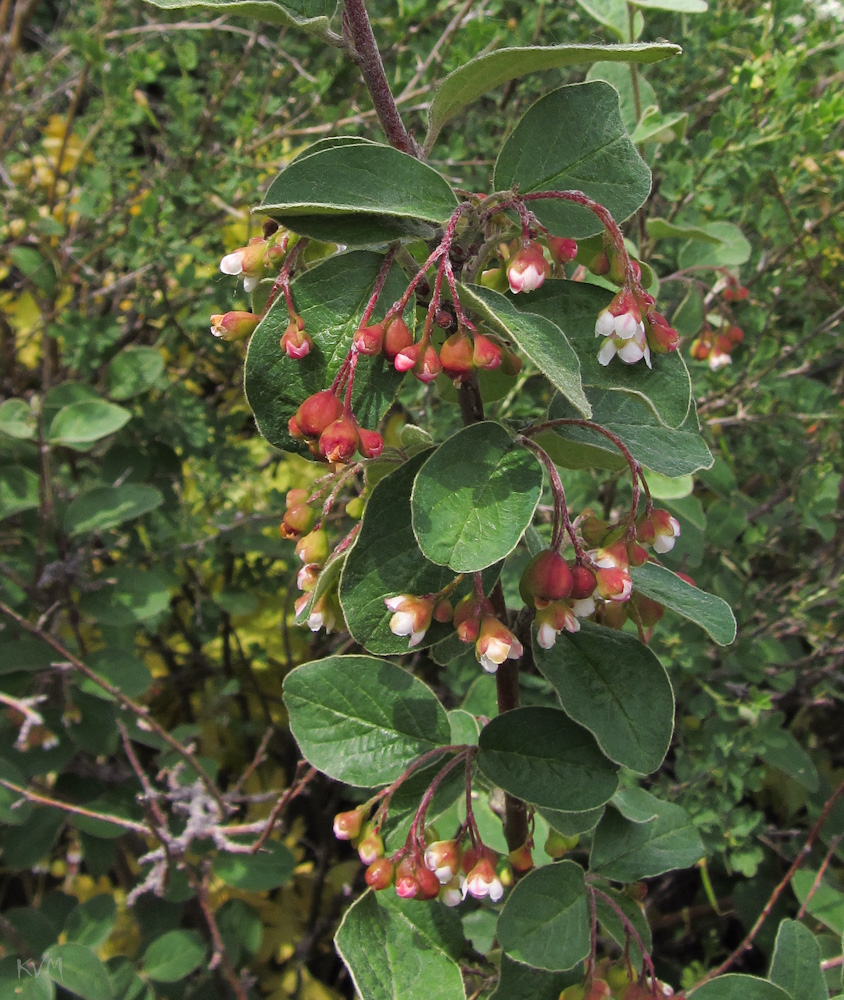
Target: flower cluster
561,594
716,348
258,259
633,330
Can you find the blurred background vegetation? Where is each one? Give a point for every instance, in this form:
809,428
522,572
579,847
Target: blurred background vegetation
139,508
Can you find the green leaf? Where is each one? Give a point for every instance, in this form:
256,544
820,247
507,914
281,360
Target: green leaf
613,924
119,667
662,229
614,14
17,420
362,720
385,560
679,6
107,506
485,72
669,452
76,968
626,851
569,824
24,982
574,307
270,868
521,982
18,490
796,965
669,487
133,371
399,950
540,339
545,922
616,687
468,515
129,596
739,987
91,922
38,269
731,249
827,902
312,15
331,299
710,612
540,755
173,956
388,188
574,138
87,421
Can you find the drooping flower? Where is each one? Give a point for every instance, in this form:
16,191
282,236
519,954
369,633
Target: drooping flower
412,616
482,882
527,269
496,643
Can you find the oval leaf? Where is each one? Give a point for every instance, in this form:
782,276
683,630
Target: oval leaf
671,452
796,965
679,6
521,982
616,687
574,307
362,720
384,561
540,755
710,612
270,868
346,182
129,596
627,851
107,506
312,15
483,73
331,299
18,491
574,139
738,987
133,371
468,515
87,421
76,968
539,338
395,948
173,956
545,922
91,922
17,419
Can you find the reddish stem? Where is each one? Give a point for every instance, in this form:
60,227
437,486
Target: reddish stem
413,837
282,282
562,521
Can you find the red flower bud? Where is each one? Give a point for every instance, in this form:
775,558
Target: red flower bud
428,366
339,441
380,873
297,520
583,583
468,614
443,611
736,334
636,554
546,578
294,430
662,337
396,337
317,412
233,325
614,583
371,443
456,356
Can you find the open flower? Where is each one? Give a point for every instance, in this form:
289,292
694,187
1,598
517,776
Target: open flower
412,616
496,643
527,269
482,882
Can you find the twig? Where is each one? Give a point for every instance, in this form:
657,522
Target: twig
46,800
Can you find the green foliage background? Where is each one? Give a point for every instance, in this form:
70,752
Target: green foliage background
133,143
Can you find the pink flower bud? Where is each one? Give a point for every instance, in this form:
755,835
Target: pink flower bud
317,412
562,250
614,583
546,578
583,583
412,616
636,554
234,325
486,354
295,342
371,848
496,643
468,614
443,859
527,269
662,337
443,611
339,441
370,339
347,824
427,366
406,887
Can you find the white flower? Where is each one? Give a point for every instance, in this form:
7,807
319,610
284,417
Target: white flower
412,616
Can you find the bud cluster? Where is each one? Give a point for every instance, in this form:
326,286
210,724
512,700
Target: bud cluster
716,348
332,433
633,329
258,259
